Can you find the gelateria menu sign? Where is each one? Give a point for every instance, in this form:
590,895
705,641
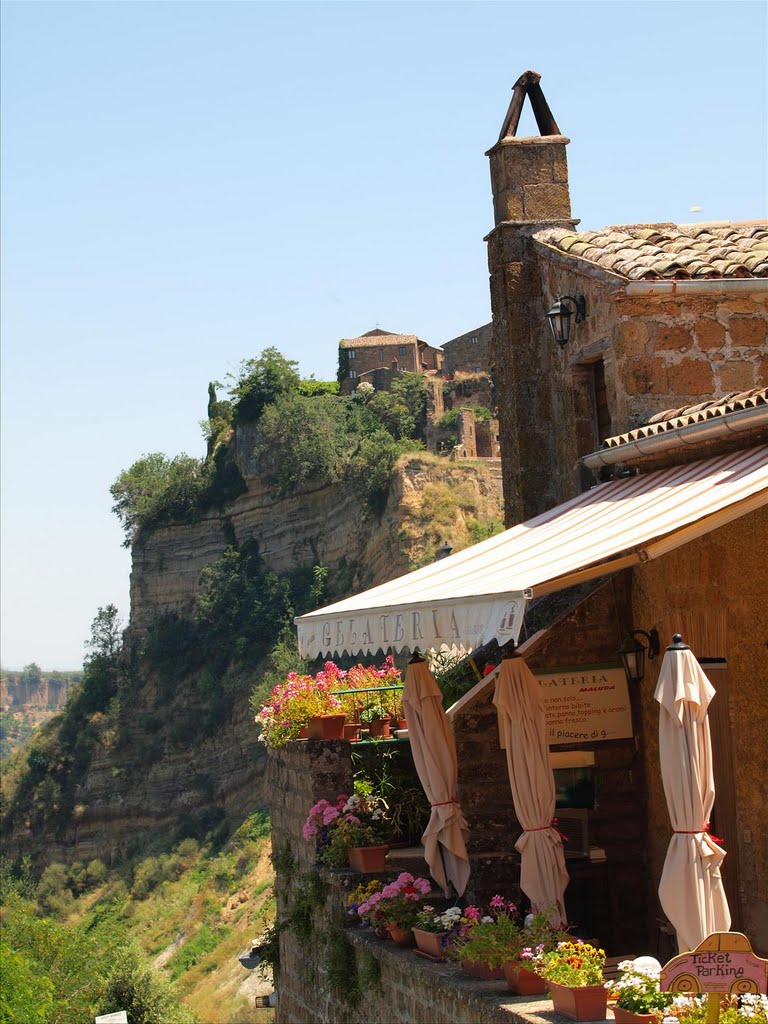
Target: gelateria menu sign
586,705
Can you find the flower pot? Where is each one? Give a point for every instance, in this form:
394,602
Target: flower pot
587,1003
378,728
303,733
366,859
326,727
431,943
522,980
352,731
622,1016
400,936
480,970
402,724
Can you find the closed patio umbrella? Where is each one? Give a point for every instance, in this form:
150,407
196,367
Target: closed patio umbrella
434,754
523,734
691,889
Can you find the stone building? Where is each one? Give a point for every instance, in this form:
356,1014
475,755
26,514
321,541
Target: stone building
379,350
635,463
470,352
675,315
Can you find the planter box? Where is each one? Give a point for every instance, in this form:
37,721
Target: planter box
327,727
523,981
480,970
587,1003
431,943
628,1017
378,728
401,936
367,859
352,732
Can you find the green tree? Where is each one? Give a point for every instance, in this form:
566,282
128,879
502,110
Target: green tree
302,441
26,994
147,997
31,675
261,381
158,489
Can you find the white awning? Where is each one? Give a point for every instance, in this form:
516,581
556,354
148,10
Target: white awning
479,594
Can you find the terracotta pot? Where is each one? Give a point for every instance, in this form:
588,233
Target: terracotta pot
522,980
402,724
622,1016
480,970
352,731
401,936
587,1003
326,727
431,943
382,932
303,733
366,859
378,728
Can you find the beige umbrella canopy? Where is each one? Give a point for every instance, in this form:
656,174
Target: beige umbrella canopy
691,889
523,734
434,754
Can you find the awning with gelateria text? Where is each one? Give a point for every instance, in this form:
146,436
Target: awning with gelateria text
479,594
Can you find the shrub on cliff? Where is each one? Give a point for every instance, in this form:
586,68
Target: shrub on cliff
157,489
261,381
302,441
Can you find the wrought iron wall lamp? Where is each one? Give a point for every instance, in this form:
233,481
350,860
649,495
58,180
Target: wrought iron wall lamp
559,316
632,653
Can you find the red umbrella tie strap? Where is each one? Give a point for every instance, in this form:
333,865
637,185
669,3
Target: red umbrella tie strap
699,832
545,828
444,803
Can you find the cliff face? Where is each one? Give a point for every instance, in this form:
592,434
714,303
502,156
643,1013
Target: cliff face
154,773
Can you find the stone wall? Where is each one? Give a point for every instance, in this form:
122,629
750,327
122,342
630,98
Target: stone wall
320,970
470,352
371,357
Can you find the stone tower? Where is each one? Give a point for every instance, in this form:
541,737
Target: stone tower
529,180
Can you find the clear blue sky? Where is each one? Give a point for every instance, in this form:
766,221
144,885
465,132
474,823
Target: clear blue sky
185,184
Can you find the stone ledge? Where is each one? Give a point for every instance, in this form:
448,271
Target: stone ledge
478,1002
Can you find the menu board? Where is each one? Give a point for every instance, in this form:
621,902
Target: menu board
586,705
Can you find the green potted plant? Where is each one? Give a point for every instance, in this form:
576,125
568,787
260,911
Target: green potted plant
376,717
434,931
538,934
573,971
639,1000
487,940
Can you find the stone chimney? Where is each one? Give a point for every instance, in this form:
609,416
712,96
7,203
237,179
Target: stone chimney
529,180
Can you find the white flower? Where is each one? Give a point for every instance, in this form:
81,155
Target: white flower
486,920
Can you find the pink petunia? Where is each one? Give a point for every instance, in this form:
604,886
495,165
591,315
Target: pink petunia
472,913
498,903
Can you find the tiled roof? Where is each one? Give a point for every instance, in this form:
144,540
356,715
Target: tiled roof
674,419
669,251
377,340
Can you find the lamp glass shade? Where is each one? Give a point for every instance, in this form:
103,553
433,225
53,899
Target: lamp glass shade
633,659
559,317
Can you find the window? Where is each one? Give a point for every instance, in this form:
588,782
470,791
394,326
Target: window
352,374
478,369
381,355
591,412
352,353
403,350
473,340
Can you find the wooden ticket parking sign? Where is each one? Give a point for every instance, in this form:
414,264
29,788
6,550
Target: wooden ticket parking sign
723,964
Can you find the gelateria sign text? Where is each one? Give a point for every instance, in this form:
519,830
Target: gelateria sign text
460,624
586,705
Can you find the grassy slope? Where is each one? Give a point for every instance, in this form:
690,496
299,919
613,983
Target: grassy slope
195,927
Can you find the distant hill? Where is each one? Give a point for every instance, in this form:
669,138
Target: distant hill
27,699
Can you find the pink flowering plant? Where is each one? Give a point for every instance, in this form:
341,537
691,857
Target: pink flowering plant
367,677
492,937
292,704
501,936
348,821
397,904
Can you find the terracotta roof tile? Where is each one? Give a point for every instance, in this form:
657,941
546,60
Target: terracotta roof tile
372,340
668,251
673,419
